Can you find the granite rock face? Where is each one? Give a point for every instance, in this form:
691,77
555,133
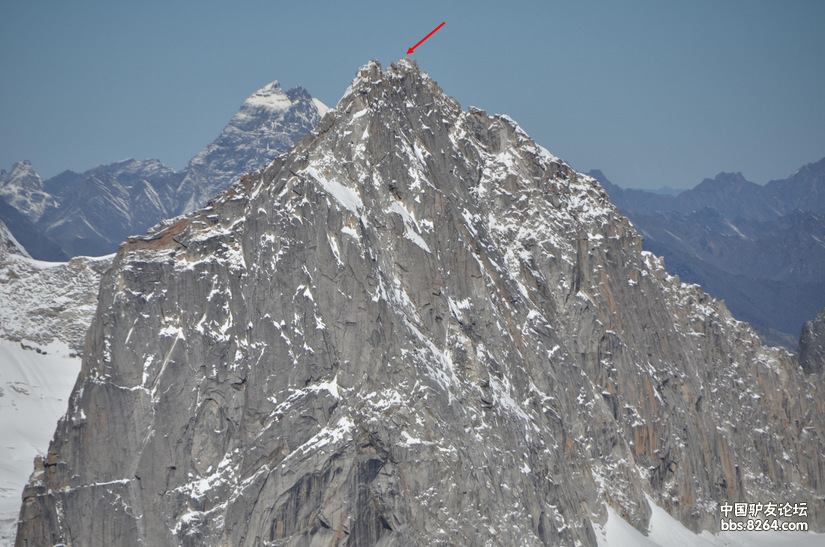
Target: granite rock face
812,344
415,327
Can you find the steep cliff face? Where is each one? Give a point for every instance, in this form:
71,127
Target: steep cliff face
417,326
812,344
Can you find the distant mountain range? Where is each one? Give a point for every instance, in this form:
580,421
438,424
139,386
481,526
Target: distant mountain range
90,213
760,248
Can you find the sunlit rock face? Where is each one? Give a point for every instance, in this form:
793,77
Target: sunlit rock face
415,327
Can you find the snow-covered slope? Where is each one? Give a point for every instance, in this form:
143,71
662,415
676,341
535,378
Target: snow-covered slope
45,310
35,384
47,301
665,531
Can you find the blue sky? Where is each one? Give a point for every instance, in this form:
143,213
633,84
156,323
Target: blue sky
653,93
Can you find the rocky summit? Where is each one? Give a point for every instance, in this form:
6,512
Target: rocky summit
415,327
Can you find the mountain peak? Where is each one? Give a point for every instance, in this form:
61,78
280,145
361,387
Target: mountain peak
725,183
727,179
23,170
270,97
23,189
268,122
91,212
372,76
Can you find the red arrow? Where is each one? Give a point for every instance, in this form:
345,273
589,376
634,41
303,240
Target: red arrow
422,41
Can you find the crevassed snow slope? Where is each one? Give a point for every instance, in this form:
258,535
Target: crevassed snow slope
34,393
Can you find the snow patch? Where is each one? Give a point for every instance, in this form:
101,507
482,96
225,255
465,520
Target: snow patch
346,196
666,531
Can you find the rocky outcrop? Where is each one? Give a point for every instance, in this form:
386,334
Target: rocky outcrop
416,327
812,344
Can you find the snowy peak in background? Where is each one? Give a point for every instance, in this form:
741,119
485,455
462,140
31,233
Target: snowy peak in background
90,213
131,170
272,97
23,189
268,122
416,326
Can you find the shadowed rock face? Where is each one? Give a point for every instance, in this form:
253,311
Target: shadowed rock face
812,344
416,326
